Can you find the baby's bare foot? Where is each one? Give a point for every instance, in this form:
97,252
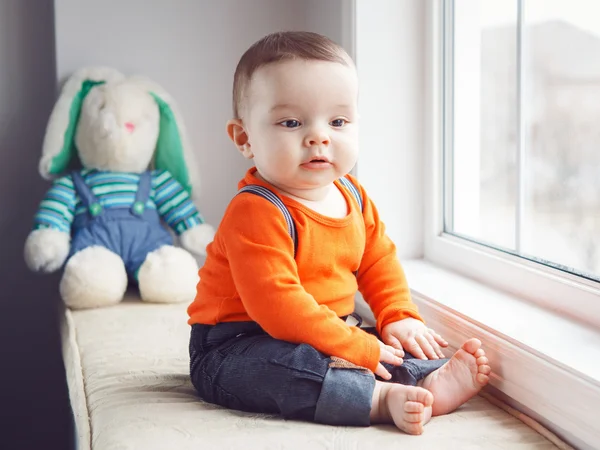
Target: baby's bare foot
459,379
407,407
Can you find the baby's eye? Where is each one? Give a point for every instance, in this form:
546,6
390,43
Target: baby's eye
290,123
338,123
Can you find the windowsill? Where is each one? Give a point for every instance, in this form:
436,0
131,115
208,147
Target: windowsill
546,364
563,342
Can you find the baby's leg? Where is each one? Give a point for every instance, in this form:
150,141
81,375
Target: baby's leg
460,379
238,366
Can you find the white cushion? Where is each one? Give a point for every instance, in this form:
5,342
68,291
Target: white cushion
127,369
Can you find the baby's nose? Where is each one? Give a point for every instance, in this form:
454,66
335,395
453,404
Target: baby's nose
317,138
129,126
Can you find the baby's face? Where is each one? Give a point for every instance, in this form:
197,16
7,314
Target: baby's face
301,120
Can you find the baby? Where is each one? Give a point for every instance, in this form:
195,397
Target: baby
269,323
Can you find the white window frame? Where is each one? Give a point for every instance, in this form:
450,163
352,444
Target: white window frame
568,294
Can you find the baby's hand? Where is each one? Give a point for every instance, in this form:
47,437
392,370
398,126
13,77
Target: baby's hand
413,336
390,355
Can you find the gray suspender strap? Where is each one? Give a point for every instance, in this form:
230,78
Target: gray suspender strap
270,196
267,194
350,186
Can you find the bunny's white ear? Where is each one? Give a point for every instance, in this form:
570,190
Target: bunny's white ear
59,151
173,150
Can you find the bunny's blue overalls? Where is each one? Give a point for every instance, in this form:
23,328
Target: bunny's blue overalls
130,232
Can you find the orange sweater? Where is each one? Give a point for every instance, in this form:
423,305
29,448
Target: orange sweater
250,274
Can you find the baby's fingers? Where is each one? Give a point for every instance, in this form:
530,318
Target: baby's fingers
387,355
434,345
440,340
382,372
414,348
426,347
394,342
394,351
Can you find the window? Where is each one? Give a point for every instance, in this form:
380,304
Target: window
519,147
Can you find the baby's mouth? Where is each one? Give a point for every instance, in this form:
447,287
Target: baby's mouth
317,163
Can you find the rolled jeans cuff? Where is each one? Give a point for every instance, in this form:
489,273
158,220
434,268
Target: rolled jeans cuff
345,399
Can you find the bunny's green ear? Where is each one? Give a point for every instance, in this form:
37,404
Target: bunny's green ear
59,152
68,153
170,146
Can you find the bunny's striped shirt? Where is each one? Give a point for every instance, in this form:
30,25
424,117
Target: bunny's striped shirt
113,190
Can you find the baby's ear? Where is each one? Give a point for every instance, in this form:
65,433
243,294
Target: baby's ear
237,133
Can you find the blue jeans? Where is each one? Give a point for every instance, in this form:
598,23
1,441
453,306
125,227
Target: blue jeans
239,366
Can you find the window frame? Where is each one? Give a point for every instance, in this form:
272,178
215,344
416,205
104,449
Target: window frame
563,292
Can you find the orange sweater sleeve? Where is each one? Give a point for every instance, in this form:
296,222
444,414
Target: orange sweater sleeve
381,279
260,253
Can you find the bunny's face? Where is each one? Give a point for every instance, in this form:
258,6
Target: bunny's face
118,128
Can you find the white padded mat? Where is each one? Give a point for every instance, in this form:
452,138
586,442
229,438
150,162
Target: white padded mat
127,369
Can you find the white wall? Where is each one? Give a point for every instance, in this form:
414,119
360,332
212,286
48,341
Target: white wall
191,48
333,18
390,60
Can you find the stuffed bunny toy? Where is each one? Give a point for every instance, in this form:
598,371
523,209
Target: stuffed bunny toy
116,150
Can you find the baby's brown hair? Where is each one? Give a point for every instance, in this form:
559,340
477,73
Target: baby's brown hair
283,46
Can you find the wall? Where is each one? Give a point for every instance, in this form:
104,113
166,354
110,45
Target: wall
191,48
34,396
333,18
390,60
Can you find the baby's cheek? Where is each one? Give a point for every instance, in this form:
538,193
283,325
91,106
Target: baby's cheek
283,152
350,143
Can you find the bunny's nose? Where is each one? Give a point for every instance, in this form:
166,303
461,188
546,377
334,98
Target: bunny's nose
129,127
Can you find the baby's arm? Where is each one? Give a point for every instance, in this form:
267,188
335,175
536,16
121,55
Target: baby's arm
260,254
381,279
383,284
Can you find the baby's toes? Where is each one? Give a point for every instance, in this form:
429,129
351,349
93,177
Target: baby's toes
414,407
472,346
414,428
483,366
482,379
420,395
479,353
413,417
